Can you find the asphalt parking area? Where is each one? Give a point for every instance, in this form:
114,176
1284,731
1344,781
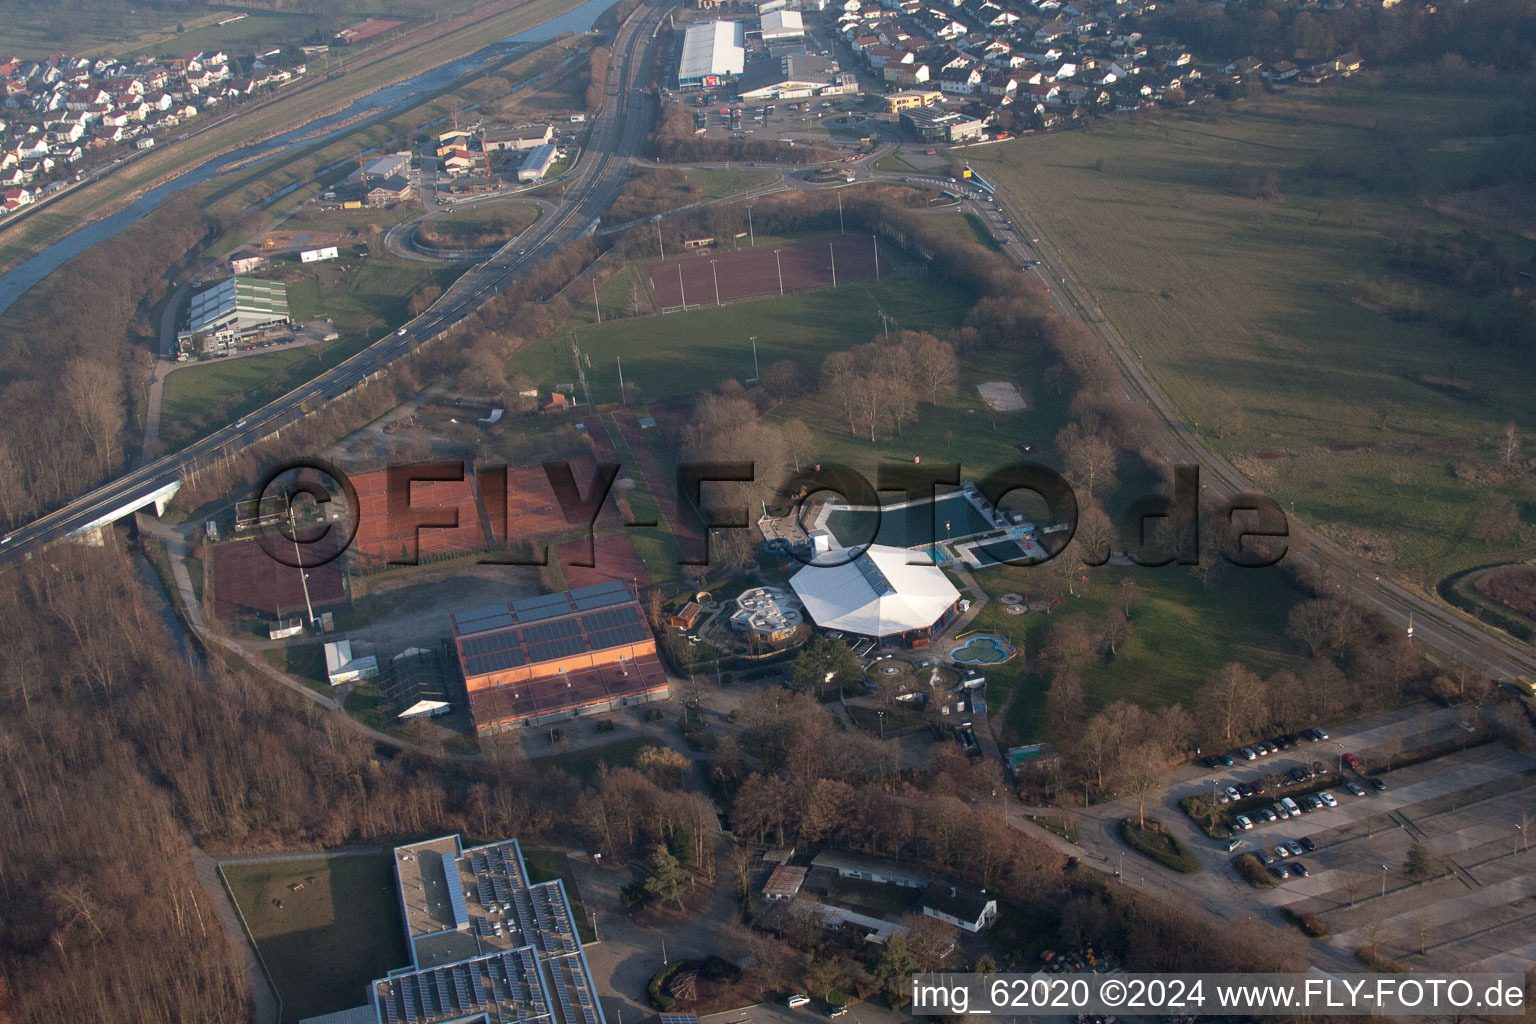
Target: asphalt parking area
1471,811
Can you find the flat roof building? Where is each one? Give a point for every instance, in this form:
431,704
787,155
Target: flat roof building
896,102
794,76
544,659
235,309
935,124
485,944
712,52
881,595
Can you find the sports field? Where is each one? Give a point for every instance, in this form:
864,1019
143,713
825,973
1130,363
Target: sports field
682,353
1243,308
710,277
248,581
324,927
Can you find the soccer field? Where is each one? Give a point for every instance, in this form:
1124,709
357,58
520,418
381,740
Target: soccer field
682,353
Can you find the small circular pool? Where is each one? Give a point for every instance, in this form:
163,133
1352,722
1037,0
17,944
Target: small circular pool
983,649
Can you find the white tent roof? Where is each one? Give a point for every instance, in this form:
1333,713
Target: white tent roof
876,594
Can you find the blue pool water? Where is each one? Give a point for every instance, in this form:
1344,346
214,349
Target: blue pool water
982,650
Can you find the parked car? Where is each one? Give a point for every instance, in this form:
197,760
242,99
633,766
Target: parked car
1267,814
1291,806
1296,848
1307,843
1299,774
1213,762
1378,785
1266,748
1282,851
1258,787
1244,790
1299,869
1267,857
797,1001
1279,871
1233,844
1355,788
1247,754
1328,799
1280,811
1243,822
1286,742
1311,803
1233,794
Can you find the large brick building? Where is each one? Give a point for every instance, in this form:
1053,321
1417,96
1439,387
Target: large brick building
543,659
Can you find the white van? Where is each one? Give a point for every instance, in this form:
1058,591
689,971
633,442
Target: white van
1290,805
795,1002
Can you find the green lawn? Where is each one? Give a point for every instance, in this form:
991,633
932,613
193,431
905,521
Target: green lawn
365,705
328,940
893,163
302,661
583,763
688,352
1234,304
1184,630
721,184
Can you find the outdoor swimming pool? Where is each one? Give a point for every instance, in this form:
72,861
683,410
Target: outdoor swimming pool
986,649
910,525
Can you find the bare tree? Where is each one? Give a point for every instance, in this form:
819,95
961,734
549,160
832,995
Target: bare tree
1510,445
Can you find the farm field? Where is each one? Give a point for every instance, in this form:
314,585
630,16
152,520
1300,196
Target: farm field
1239,307
338,932
682,353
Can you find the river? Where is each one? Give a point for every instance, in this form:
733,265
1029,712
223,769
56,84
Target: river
383,103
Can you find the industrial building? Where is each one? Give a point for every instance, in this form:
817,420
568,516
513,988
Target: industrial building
537,163
782,25
935,124
713,51
545,659
485,944
880,596
495,140
795,76
221,316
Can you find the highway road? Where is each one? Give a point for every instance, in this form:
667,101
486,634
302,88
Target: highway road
618,133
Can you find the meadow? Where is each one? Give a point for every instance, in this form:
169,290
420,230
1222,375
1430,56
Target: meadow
1241,306
340,930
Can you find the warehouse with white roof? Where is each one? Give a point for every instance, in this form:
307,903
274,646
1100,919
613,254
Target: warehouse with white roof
782,25
712,52
880,595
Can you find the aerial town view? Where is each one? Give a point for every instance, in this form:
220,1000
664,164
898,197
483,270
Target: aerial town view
765,511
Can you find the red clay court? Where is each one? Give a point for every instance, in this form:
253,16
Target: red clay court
754,273
615,558
248,581
382,537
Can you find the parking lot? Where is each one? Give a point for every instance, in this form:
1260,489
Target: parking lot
1469,809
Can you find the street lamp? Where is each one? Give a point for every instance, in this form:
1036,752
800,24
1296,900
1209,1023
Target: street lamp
1519,831
1122,864
1383,879
1341,757
716,275
779,265
755,374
